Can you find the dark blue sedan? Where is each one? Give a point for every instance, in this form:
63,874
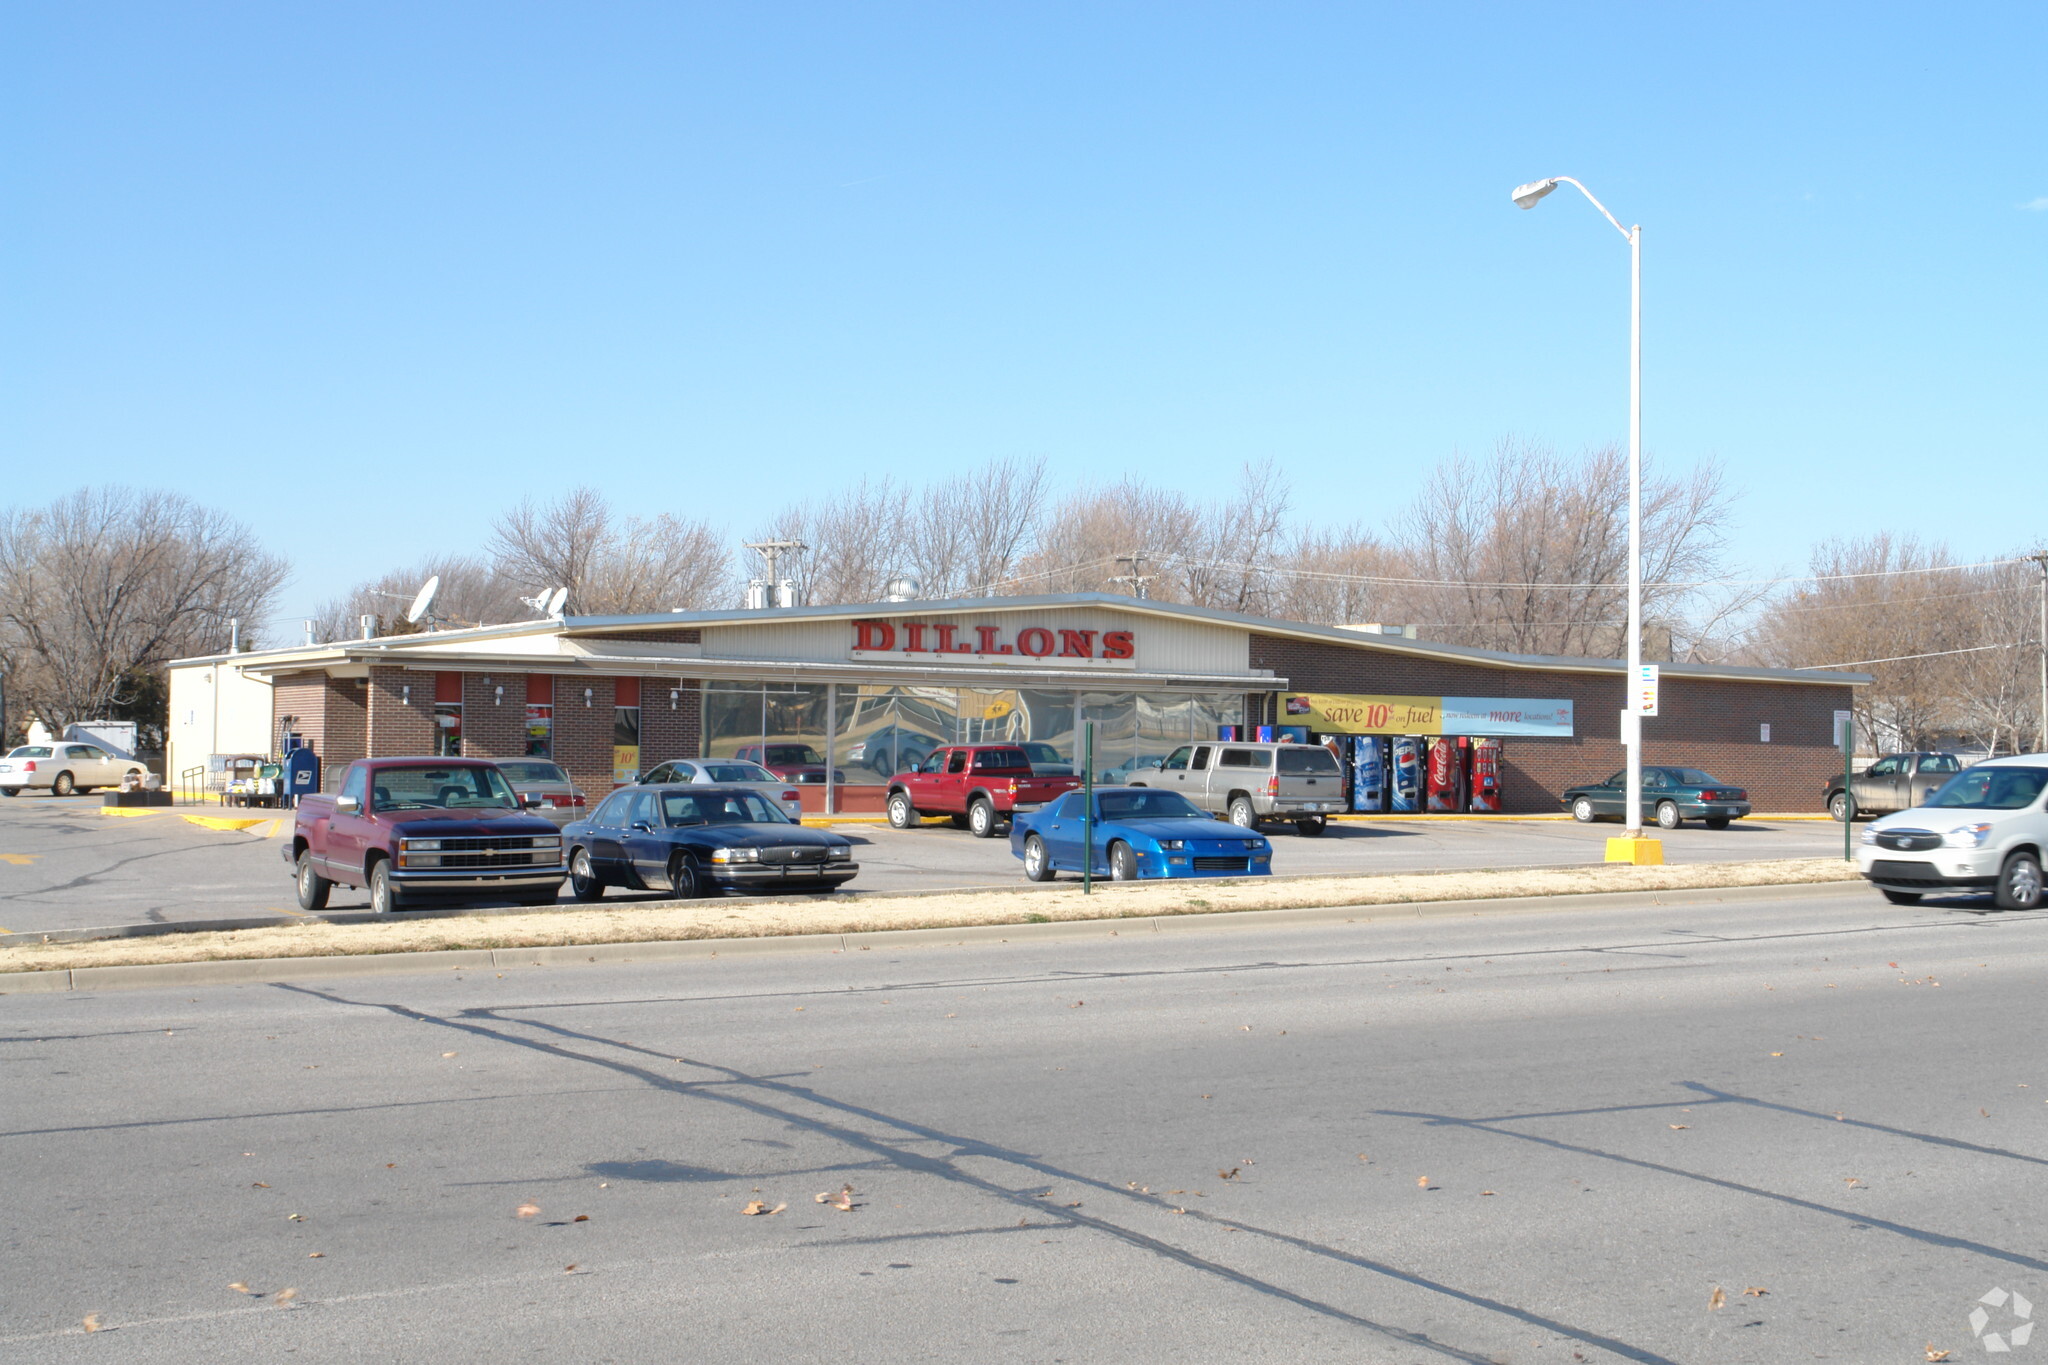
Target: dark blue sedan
693,840
1140,832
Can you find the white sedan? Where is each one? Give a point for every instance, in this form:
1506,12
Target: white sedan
63,769
731,772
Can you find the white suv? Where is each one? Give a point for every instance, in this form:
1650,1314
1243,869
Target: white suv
1983,831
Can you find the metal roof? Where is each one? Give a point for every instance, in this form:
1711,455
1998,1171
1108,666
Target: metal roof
388,645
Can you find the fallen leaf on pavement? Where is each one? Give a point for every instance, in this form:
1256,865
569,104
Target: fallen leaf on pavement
1933,1354
285,1296
1777,1054
315,1255
1077,1004
527,1211
1719,1300
1756,1291
1678,1127
580,1218
1486,1191
92,1322
1230,1174
295,1218
1985,1112
569,1269
241,1288
259,1185
1850,1180
759,1207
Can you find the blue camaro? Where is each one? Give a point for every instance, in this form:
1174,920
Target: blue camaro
1139,832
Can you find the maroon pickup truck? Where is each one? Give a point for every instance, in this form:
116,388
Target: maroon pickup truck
413,827
979,785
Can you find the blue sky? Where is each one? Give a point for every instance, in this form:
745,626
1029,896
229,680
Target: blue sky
363,275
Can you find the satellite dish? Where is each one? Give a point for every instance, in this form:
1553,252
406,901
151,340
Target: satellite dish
424,601
556,600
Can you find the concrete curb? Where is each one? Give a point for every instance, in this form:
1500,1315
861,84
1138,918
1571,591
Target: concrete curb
265,971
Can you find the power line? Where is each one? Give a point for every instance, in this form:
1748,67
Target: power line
1901,658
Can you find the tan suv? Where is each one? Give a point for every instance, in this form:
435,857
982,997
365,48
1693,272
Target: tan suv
1247,783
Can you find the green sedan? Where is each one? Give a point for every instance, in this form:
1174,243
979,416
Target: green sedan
1670,795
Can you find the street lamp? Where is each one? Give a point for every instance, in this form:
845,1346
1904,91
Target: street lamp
1526,197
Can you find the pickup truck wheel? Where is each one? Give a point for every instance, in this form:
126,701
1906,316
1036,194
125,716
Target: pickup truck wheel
313,887
685,878
981,820
384,897
1037,862
63,785
1123,864
1668,816
2019,883
584,883
1313,826
1841,806
1901,897
1242,815
902,815
1582,810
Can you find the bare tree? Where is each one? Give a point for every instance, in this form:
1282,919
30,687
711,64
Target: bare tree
855,540
964,536
609,563
104,586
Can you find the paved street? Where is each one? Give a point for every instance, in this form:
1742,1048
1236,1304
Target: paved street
1537,1137
79,869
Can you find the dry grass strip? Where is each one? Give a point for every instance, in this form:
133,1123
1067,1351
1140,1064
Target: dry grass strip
656,921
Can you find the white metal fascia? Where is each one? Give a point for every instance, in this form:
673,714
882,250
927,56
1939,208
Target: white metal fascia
799,670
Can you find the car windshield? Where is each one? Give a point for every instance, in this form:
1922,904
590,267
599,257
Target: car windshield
442,787
738,772
791,753
1146,805
682,808
533,772
30,751
1991,789
1307,759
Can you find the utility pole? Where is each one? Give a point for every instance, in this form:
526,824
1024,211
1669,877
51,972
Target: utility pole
762,593
2041,721
1137,581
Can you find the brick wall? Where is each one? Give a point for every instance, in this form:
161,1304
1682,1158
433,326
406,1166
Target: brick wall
493,725
1708,724
348,729
666,734
583,734
398,727
328,713
302,697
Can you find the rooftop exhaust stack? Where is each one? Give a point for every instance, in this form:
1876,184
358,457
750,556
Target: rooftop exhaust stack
901,589
369,625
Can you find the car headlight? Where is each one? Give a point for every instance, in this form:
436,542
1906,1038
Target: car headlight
1869,837
1966,836
1255,843
843,851
420,845
735,855
1175,844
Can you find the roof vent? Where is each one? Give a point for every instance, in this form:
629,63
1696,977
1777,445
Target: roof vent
901,589
1378,628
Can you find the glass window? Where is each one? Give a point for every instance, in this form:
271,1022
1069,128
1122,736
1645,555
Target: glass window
1177,761
1991,789
1884,767
532,772
1305,759
426,787
448,729
1241,758
1201,759
612,813
956,761
540,730
357,786
738,772
1146,805
30,751
1938,763
625,744
991,759
720,808
640,809
1693,777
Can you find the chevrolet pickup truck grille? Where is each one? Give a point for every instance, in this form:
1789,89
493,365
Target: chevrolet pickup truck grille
511,857
491,844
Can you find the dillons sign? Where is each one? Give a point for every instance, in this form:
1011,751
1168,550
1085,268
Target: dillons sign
1032,642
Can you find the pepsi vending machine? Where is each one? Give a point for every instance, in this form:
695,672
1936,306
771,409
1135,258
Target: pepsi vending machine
1407,765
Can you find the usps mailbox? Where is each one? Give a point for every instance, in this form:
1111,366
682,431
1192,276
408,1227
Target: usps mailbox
301,773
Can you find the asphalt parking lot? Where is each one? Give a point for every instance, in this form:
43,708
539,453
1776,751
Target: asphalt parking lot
65,865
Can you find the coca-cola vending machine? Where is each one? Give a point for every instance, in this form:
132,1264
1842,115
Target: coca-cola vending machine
1486,774
1446,774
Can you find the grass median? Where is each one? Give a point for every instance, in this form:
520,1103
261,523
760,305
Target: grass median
733,917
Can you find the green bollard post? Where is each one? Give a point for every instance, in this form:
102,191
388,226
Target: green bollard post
1848,791
1088,808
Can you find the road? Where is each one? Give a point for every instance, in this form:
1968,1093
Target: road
63,865
1558,1136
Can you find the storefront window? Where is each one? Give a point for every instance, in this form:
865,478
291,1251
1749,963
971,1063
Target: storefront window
540,716
625,744
448,729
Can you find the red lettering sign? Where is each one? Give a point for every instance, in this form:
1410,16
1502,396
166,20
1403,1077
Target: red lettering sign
1035,641
873,635
913,637
1117,645
988,640
1077,644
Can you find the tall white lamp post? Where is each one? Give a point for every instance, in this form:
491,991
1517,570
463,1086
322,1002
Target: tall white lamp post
1634,690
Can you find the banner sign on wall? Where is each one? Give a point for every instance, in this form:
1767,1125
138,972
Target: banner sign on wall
1337,713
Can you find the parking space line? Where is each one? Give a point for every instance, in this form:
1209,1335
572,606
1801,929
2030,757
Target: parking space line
19,859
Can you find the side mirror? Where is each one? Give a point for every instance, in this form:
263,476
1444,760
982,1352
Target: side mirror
1159,765
529,800
347,805
642,827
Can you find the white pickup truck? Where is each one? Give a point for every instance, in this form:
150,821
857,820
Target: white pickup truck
1983,832
1247,783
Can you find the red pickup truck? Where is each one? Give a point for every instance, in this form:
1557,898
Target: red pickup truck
412,827
979,785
